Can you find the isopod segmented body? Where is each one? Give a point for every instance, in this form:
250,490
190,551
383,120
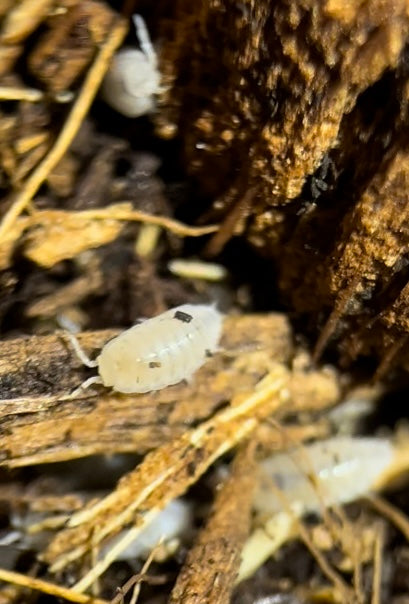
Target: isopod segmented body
161,351
133,79
333,471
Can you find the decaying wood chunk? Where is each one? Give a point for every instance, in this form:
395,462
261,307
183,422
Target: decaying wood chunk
310,100
164,474
190,425
209,572
38,373
273,100
361,276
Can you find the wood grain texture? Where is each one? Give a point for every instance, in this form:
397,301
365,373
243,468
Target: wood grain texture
310,101
40,423
209,572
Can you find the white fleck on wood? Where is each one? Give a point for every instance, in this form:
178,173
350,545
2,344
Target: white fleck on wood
197,269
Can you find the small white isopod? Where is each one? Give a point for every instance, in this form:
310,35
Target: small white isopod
344,468
159,352
133,78
308,479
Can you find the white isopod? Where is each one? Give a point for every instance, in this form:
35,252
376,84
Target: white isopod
308,479
133,78
343,468
159,352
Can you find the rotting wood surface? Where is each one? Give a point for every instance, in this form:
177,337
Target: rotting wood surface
40,422
218,547
310,100
169,470
164,474
290,72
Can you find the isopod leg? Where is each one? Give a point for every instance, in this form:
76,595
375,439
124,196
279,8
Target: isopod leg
86,384
83,357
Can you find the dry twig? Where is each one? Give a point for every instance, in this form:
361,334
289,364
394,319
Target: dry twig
391,512
56,235
17,93
219,545
377,567
164,474
136,580
47,588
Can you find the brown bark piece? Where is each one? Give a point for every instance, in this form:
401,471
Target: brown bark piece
360,274
69,46
376,237
60,235
376,232
310,101
164,474
67,295
39,423
209,572
273,99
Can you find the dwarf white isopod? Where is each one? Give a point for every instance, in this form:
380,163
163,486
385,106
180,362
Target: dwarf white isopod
343,468
309,478
133,78
159,352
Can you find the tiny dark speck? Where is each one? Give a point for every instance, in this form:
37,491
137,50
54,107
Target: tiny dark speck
154,364
208,353
191,468
183,316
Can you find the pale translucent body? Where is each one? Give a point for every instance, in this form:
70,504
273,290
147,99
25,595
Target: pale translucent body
172,522
330,472
133,78
130,83
161,351
310,478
